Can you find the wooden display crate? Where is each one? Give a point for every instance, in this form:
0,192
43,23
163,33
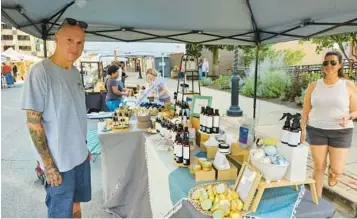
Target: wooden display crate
230,174
205,175
238,154
211,151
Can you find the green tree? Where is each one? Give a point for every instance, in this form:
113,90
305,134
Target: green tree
196,49
340,40
291,57
249,52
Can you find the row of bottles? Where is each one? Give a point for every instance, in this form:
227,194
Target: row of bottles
182,147
291,131
183,112
179,136
209,120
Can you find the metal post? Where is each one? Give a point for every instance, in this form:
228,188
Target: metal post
163,65
44,38
256,80
82,73
235,110
45,48
140,64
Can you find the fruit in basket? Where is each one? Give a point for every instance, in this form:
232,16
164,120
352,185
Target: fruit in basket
221,188
196,195
240,205
206,204
235,215
220,199
218,214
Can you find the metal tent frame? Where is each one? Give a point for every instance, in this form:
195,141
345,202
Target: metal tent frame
44,29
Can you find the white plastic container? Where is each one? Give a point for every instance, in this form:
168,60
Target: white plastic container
246,132
271,172
297,157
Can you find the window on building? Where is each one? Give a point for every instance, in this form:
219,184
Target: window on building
5,26
25,48
7,37
23,37
8,47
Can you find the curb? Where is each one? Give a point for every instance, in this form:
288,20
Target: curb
340,199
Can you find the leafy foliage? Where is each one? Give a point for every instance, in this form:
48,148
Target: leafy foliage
249,53
271,85
328,42
206,81
292,57
196,50
224,82
300,83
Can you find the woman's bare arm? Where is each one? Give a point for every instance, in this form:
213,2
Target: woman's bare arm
352,89
307,104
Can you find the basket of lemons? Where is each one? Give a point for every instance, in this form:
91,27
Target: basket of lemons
216,199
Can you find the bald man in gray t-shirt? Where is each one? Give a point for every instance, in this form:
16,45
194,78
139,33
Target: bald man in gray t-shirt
54,100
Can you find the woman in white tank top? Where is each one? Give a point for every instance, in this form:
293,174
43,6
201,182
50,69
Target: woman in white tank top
330,106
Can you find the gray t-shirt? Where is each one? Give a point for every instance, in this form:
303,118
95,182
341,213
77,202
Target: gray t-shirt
58,93
110,94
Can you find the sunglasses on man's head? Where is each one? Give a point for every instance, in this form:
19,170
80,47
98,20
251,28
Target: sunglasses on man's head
74,22
332,62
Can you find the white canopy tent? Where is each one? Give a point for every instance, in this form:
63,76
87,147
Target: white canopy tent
19,56
235,22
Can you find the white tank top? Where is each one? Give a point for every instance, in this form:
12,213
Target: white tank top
329,103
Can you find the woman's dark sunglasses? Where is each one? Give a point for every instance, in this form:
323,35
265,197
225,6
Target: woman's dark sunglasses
74,22
332,62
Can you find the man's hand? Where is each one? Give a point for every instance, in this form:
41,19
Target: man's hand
53,177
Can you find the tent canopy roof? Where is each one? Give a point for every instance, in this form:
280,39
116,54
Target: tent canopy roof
243,22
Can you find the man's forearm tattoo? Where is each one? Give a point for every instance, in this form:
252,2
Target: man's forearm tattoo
38,135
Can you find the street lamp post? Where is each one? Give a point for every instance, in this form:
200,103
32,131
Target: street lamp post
235,110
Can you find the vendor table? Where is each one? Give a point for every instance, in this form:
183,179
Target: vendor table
124,173
138,182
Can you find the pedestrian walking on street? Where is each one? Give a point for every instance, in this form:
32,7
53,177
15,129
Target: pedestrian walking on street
330,106
6,72
54,100
14,71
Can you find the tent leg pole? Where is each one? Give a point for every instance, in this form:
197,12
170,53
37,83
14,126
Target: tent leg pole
44,37
256,80
235,110
45,48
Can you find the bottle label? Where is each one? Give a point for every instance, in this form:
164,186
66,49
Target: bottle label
186,153
243,135
178,150
209,122
216,121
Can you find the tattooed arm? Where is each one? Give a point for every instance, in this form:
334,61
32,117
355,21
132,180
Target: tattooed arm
53,177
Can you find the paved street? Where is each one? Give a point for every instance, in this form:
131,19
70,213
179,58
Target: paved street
23,196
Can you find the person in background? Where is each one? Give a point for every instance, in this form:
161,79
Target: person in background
54,100
162,90
14,71
115,90
205,67
6,72
330,105
200,62
123,72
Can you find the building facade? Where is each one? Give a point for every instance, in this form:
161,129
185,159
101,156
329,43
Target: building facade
20,41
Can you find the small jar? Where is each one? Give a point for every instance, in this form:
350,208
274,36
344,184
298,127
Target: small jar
224,148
